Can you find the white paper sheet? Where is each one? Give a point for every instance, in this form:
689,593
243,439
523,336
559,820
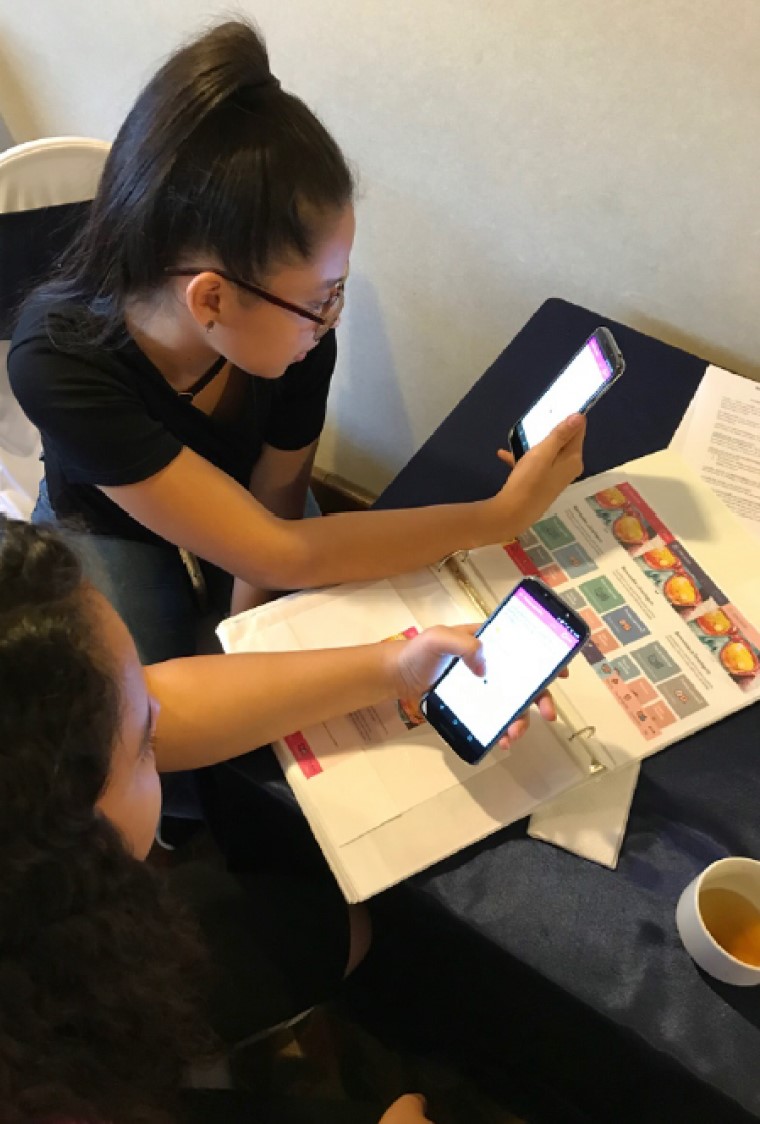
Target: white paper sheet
590,820
719,437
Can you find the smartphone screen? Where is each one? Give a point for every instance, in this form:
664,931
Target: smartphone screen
583,380
529,638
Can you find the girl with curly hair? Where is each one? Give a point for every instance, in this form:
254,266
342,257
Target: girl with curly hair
108,989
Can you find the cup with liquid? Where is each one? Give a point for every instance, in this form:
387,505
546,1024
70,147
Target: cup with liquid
718,920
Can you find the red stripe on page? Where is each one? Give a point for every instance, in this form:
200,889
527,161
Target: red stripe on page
524,564
303,754
644,509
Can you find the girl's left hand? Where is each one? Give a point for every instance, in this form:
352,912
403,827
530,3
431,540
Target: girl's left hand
422,659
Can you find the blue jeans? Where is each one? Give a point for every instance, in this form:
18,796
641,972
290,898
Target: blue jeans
151,591
148,586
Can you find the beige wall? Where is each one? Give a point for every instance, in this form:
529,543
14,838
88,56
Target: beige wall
607,151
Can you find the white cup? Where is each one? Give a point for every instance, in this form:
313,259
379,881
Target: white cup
743,877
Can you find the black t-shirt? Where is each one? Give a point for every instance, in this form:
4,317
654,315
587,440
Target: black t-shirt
108,417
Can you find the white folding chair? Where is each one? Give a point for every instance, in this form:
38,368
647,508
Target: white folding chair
6,140
39,181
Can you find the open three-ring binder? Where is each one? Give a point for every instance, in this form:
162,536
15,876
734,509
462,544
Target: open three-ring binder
665,577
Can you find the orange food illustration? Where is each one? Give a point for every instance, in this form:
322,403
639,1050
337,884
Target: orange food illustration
662,558
629,530
738,658
611,498
680,590
715,623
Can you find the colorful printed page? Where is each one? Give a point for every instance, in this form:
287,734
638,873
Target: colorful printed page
665,577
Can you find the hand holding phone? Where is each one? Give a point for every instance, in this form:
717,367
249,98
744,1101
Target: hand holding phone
528,640
422,660
589,374
543,474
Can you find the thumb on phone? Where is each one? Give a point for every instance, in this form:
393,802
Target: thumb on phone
566,437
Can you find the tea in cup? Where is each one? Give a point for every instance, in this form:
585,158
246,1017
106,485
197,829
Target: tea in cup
718,920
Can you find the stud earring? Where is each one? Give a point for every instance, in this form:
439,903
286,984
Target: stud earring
210,326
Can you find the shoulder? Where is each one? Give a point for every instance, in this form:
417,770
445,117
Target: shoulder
49,358
300,398
315,370
41,320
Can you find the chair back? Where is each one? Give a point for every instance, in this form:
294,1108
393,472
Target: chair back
45,189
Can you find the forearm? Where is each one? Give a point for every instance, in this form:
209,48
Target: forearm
192,504
365,545
217,707
280,482
360,546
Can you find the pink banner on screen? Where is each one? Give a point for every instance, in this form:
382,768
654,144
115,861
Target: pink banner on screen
601,362
545,617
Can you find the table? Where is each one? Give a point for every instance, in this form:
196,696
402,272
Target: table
550,977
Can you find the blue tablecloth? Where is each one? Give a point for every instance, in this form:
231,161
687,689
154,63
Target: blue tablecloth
561,964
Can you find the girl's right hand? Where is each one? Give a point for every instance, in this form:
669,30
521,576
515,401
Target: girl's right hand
416,663
409,1109
541,474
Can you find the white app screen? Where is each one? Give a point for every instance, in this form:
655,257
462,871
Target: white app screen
522,646
579,382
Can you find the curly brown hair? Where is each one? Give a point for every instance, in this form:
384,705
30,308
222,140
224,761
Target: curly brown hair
99,970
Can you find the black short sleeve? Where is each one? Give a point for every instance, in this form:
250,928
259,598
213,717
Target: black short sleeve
299,398
108,417
96,421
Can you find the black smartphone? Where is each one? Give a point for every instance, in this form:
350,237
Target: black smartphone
588,375
532,635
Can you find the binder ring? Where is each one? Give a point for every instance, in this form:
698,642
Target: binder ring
584,732
455,556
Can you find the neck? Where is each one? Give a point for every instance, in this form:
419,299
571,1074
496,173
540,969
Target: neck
175,349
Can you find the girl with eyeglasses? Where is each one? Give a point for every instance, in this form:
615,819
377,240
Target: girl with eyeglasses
179,361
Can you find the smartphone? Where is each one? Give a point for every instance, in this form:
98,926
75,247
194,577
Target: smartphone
532,635
588,375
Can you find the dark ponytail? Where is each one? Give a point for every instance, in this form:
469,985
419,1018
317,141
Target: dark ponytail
213,159
99,1003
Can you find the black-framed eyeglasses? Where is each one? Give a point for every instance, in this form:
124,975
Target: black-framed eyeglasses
324,319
